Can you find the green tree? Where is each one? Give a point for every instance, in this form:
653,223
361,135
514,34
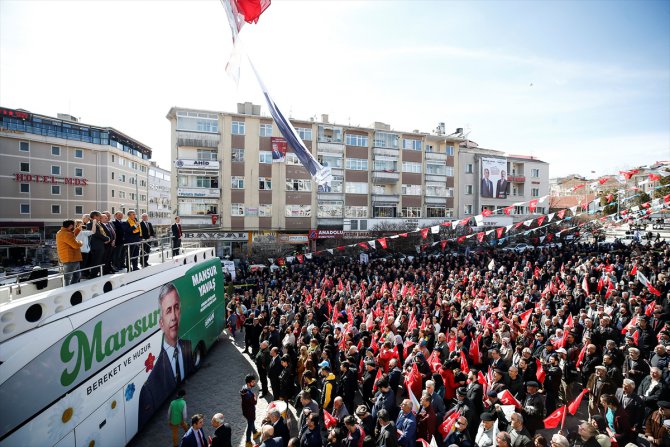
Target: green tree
665,190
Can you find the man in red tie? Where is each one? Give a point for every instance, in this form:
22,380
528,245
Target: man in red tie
195,436
176,236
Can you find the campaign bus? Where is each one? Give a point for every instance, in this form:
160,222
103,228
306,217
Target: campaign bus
94,374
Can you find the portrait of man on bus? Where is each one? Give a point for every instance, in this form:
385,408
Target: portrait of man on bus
175,361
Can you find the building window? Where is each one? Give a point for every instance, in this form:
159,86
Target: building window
25,208
519,210
450,192
356,164
468,168
468,190
207,182
334,186
265,130
78,191
436,169
25,167
237,154
238,128
330,209
205,154
356,188
24,187
412,167
237,209
143,183
78,172
237,182
535,173
292,159
122,178
436,191
411,212
356,212
385,139
55,151
356,140
305,133
535,192
384,211
143,197
386,165
78,209
467,210
122,161
449,171
55,190
24,146
450,150
112,193
55,170
302,185
298,211
265,183
411,190
265,157
435,212
414,145
330,160
55,209
112,175
122,194
198,122
265,210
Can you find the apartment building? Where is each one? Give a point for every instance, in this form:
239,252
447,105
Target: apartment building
226,177
55,168
490,179
159,207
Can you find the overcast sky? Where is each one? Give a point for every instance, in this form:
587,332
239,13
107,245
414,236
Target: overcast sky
584,85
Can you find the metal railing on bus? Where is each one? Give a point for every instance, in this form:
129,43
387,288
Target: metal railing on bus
163,246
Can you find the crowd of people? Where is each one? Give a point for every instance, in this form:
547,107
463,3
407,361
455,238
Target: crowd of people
467,351
100,243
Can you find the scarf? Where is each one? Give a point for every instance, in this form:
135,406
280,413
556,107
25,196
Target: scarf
133,225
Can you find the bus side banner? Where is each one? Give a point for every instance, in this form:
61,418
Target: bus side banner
125,349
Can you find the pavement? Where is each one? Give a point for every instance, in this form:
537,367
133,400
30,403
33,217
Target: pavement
214,388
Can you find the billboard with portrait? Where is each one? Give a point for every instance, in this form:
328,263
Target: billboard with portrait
494,184
279,147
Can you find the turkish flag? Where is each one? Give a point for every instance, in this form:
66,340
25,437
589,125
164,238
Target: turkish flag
443,244
532,205
424,232
507,399
540,220
382,241
603,180
574,405
580,358
480,236
560,214
654,177
525,318
555,419
446,426
329,419
474,351
377,377
486,212
363,245
540,374
464,222
413,380
460,240
631,323
251,9
434,361
499,232
464,363
585,285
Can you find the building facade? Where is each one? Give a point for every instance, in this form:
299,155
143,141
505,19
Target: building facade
226,177
58,168
490,179
158,193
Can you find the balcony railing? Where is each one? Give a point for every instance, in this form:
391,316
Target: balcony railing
436,177
385,176
388,152
330,147
516,178
439,156
197,139
385,198
436,200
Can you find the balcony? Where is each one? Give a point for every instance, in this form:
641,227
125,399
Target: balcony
386,152
436,200
516,178
322,196
198,192
325,146
436,156
187,163
195,139
436,177
385,198
385,177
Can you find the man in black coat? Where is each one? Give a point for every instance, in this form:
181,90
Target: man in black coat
147,233
280,428
274,371
631,404
262,359
176,236
131,235
97,242
222,432
388,435
533,408
118,253
347,385
651,389
475,392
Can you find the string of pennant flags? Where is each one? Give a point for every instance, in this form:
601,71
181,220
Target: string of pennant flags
543,221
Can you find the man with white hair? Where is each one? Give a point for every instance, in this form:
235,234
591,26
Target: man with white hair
279,426
634,367
631,404
598,385
519,434
651,389
268,439
222,432
559,441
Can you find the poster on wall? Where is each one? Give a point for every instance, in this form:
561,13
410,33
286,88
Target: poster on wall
279,146
494,182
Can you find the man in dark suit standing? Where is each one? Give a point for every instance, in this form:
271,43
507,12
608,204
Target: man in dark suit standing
195,436
222,432
388,435
175,361
501,186
274,370
97,242
132,234
147,233
176,236
118,258
487,185
109,246
475,392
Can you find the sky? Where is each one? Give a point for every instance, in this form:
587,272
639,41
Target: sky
583,85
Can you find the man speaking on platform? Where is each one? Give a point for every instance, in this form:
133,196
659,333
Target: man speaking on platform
175,361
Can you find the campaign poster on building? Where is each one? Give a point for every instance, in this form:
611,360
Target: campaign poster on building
494,184
279,146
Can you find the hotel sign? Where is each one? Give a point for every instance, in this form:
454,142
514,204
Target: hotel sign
51,179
